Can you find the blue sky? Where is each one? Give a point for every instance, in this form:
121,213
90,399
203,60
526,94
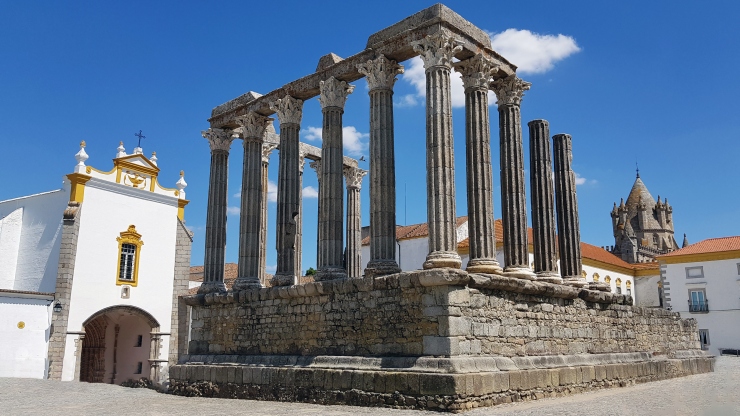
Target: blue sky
648,82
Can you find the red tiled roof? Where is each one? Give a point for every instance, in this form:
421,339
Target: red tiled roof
404,232
711,245
231,270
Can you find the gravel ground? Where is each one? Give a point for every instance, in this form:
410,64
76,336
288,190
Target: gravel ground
714,394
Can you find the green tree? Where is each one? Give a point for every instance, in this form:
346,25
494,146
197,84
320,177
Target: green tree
311,271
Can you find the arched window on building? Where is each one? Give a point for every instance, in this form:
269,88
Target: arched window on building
129,250
596,277
619,286
629,287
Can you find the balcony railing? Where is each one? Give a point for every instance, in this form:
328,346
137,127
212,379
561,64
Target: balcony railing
699,306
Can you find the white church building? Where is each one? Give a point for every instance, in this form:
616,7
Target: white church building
90,274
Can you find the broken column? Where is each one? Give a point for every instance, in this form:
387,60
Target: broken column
381,74
330,258
509,92
543,206
252,131
437,51
289,111
353,177
476,75
569,233
218,198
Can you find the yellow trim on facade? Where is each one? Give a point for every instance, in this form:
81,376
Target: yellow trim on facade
647,272
78,181
123,164
693,258
608,279
173,190
129,236
90,169
181,208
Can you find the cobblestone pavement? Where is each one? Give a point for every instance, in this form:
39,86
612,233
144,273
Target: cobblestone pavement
712,394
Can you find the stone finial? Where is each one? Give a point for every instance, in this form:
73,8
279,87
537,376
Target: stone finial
301,161
328,60
267,149
510,90
380,72
218,139
685,241
354,176
437,49
121,151
334,92
81,157
181,184
288,109
154,159
252,126
476,72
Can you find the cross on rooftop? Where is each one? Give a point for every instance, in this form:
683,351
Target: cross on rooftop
140,136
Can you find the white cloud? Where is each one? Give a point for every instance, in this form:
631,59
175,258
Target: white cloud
531,52
310,192
271,268
312,134
233,210
580,180
355,142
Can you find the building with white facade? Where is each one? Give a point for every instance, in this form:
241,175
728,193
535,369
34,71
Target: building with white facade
702,281
90,274
412,247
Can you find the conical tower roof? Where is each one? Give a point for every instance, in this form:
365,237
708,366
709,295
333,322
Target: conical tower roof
639,193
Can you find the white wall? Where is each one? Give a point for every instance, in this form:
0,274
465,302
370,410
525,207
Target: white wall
24,351
38,247
10,240
646,291
721,283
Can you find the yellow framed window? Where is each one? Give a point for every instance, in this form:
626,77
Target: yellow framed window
129,252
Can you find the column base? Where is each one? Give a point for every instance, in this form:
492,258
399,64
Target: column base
440,259
330,273
520,273
575,281
600,286
550,277
283,280
211,287
487,266
245,283
381,268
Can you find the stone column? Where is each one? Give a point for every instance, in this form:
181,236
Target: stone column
250,218
299,221
267,148
476,74
543,207
289,111
316,166
218,197
381,75
330,262
509,92
437,51
353,176
569,232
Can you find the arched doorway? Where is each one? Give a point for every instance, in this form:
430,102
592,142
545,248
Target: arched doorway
121,343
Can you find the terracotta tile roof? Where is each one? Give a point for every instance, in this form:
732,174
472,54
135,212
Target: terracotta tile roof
229,280
231,270
404,232
711,245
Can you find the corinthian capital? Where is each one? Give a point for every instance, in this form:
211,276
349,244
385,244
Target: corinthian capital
267,149
316,165
476,71
380,72
288,109
334,92
510,90
353,176
253,126
218,139
437,49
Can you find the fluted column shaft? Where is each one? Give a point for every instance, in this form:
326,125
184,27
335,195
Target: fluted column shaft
353,176
267,148
381,76
569,232
289,112
299,220
215,247
509,92
250,224
330,263
543,207
437,51
476,73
